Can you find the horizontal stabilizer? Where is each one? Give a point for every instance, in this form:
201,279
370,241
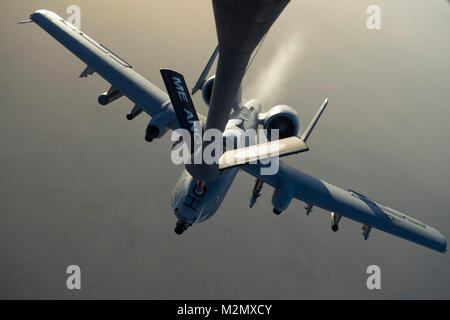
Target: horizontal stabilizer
314,121
263,151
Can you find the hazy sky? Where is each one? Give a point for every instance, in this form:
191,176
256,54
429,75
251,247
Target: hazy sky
79,185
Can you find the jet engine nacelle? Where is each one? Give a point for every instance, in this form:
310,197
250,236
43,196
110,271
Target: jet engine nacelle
281,117
207,90
282,197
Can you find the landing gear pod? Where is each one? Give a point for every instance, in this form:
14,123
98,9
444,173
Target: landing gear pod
282,197
109,96
159,125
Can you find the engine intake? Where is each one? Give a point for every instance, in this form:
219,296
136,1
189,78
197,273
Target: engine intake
207,90
283,118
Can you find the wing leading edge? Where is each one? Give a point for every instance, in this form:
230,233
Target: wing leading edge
108,65
351,205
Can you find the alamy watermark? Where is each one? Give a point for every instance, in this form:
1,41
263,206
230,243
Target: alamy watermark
73,282
211,146
374,20
374,280
75,15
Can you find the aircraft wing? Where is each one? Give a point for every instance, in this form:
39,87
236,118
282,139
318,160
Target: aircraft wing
111,67
349,204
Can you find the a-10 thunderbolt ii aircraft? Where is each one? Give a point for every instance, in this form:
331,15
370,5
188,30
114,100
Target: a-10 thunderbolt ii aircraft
240,26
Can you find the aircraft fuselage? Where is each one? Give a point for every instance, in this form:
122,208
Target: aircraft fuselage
190,207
